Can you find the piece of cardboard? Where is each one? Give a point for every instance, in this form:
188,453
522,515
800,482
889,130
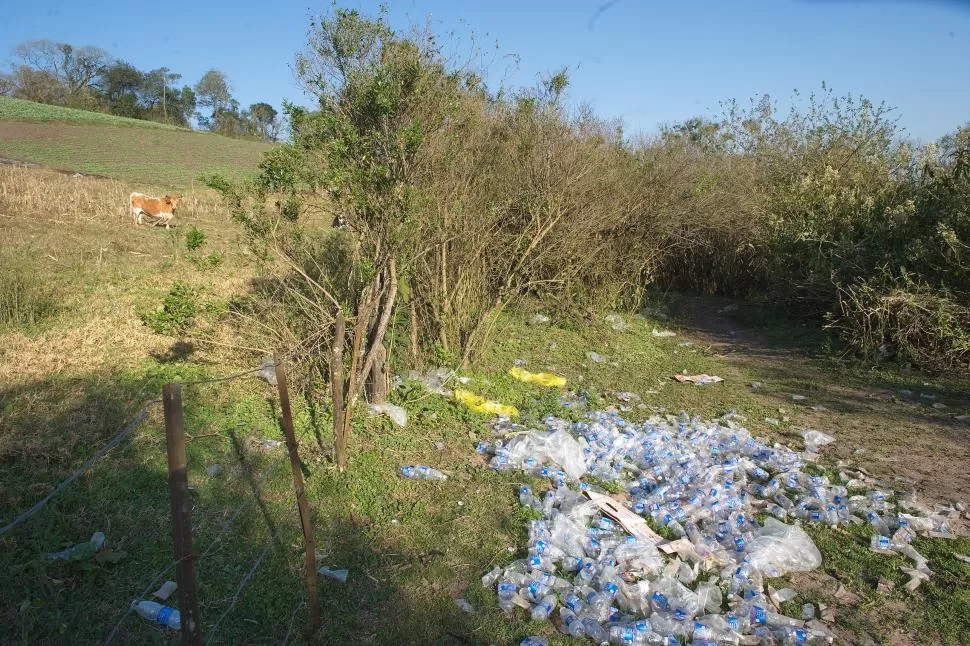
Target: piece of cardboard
633,524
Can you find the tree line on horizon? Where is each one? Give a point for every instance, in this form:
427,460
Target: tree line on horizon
90,78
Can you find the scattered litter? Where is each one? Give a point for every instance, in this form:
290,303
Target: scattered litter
617,323
916,577
625,396
165,591
663,334
799,398
537,448
464,380
783,595
337,575
733,307
962,418
214,469
541,378
397,414
479,404
267,370
612,578
927,396
905,392
818,408
808,612
539,319
464,605
422,472
939,405
92,546
596,357
684,344
815,439
440,446
519,362
962,557
269,444
433,381
699,380
533,640
756,384
158,614
772,421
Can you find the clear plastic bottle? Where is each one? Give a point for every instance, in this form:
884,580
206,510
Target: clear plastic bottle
542,610
422,472
571,624
159,614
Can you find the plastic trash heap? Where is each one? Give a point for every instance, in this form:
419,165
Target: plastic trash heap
703,485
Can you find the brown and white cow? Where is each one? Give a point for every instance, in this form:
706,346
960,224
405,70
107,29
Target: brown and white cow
160,210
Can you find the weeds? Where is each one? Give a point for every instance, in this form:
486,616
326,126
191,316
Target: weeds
25,299
179,309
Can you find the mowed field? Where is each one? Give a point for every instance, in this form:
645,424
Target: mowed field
141,152
70,380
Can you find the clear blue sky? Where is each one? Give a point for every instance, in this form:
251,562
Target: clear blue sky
646,62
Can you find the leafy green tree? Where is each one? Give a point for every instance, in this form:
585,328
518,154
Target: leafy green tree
213,92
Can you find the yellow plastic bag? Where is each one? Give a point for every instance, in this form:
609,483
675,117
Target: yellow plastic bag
541,378
479,404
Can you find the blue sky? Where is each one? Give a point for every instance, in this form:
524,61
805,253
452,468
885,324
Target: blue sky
645,62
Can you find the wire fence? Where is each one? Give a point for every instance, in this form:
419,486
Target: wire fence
274,373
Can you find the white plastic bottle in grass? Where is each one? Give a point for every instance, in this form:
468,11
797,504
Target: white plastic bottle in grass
422,472
158,614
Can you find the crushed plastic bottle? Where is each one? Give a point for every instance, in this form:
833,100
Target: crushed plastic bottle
422,472
702,481
159,614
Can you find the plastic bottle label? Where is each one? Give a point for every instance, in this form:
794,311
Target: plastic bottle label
163,615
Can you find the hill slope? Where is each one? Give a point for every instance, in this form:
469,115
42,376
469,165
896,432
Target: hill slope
127,149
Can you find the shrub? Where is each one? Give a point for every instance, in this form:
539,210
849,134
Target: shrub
194,238
179,309
912,321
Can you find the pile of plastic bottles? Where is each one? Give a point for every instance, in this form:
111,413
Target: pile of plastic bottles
704,482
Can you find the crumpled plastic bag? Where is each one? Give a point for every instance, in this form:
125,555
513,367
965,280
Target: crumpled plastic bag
434,380
267,370
479,404
558,447
541,378
617,323
815,439
779,548
698,380
397,414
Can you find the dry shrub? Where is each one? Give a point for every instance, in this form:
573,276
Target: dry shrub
919,324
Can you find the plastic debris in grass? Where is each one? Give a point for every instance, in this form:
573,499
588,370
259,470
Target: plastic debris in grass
596,357
479,404
396,414
165,591
617,323
267,370
698,380
542,378
80,550
663,334
702,483
337,575
815,439
465,606
434,380
539,319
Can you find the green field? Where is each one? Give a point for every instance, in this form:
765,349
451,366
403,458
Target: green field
20,110
127,149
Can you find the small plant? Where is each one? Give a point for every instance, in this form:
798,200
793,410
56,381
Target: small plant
179,309
202,263
194,238
24,299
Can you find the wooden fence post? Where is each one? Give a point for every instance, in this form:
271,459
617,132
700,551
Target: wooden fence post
181,504
313,605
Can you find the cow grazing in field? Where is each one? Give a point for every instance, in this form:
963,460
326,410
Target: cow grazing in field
160,210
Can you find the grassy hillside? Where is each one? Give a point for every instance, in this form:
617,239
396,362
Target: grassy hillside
20,110
141,152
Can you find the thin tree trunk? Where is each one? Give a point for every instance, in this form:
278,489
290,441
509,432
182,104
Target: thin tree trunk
378,385
414,350
337,388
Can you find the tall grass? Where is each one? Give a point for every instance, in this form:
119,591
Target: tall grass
26,299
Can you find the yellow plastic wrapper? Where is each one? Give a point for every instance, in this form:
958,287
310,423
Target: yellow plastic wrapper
541,378
479,404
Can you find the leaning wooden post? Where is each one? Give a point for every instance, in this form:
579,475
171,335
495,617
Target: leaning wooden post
311,561
181,504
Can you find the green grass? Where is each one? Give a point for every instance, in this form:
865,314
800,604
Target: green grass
128,149
20,110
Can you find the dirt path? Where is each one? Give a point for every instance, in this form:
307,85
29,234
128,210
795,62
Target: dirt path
901,430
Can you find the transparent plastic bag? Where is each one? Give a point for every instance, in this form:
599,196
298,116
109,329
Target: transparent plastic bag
779,548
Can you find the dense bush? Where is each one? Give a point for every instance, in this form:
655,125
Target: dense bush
481,198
